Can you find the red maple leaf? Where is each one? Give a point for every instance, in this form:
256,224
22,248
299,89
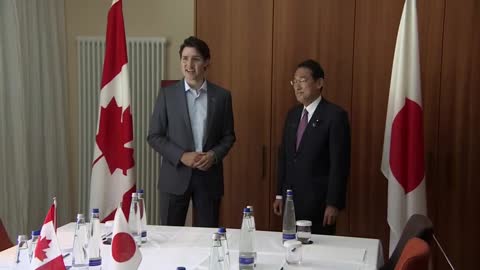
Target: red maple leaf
42,244
114,131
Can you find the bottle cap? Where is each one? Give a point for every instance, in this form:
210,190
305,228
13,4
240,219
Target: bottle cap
289,192
95,210
246,210
292,244
250,207
304,223
22,237
222,230
216,236
36,233
80,216
181,268
140,191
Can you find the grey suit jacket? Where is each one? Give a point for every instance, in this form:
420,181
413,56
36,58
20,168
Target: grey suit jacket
170,134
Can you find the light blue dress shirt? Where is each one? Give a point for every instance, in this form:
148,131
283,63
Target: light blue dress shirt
197,109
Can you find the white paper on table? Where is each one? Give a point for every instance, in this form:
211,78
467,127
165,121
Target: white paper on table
171,258
274,261
322,266
266,261
337,254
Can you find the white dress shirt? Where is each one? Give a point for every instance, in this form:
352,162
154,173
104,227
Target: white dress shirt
197,110
312,107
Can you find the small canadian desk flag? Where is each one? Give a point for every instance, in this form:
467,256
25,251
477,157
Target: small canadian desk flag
125,253
47,254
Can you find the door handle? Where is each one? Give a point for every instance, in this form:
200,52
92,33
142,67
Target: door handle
264,161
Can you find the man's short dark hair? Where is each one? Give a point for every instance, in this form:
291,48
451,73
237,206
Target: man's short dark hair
315,68
198,44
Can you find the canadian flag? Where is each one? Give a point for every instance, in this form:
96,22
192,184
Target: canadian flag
403,152
125,253
113,174
47,254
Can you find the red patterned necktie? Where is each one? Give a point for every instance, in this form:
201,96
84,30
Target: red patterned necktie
302,126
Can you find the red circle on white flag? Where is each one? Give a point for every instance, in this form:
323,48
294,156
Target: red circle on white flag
123,247
406,146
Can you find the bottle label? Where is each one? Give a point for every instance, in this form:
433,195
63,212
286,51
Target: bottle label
288,236
245,260
95,262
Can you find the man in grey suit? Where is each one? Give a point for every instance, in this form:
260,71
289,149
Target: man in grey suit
192,129
314,157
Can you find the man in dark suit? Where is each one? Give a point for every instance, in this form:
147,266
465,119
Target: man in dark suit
192,129
314,157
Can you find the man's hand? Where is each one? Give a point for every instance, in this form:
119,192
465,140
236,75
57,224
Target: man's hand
190,158
330,217
205,161
277,207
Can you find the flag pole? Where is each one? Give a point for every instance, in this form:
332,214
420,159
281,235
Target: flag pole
55,213
443,252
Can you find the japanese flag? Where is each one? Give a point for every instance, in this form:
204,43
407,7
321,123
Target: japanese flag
403,154
125,253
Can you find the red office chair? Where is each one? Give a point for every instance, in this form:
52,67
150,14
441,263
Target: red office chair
415,255
417,226
4,240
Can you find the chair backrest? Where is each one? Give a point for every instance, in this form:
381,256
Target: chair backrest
4,240
417,226
415,255
165,83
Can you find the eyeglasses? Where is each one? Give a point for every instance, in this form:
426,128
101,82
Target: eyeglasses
302,81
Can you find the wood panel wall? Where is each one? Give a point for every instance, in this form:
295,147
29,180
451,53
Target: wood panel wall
456,184
256,46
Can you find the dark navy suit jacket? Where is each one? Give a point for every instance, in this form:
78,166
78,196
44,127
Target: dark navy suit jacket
318,171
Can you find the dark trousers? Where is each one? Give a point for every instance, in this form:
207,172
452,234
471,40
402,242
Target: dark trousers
318,228
309,207
206,207
317,223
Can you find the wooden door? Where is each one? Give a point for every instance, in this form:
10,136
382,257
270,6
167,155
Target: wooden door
240,37
321,30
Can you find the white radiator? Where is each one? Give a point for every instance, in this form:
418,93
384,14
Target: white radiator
146,65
